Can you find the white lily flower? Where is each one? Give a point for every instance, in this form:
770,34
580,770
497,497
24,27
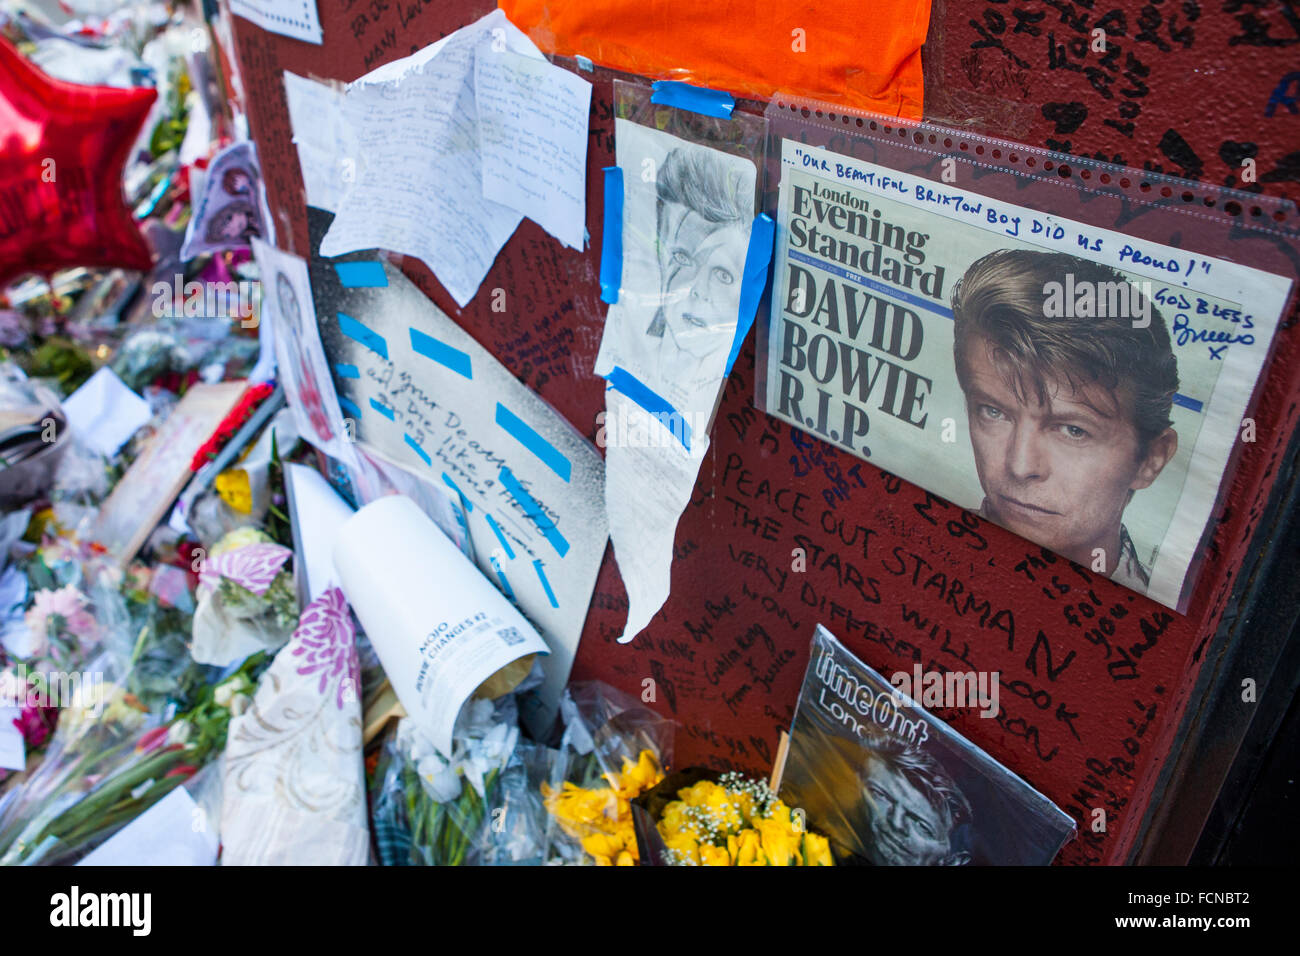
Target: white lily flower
412,742
474,768
440,778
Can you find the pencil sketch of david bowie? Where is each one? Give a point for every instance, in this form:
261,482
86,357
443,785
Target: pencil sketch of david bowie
1069,415
703,214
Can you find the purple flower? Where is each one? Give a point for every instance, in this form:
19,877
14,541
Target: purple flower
325,639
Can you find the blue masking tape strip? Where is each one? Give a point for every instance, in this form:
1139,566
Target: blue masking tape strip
469,505
611,246
347,371
1185,402
523,433
697,99
545,583
627,383
757,259
382,409
424,455
361,275
350,407
496,529
501,576
358,332
442,353
531,508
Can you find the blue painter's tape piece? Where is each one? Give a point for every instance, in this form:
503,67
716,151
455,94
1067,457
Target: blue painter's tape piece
611,245
361,275
496,529
697,99
382,409
523,433
469,505
418,450
350,407
501,576
343,370
757,259
1186,402
358,332
545,583
631,386
442,353
531,508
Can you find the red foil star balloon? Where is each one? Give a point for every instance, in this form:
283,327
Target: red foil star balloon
63,148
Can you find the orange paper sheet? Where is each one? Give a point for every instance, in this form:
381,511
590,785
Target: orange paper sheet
866,55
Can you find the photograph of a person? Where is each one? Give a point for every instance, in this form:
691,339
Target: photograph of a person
915,815
236,222
1069,416
900,787
878,798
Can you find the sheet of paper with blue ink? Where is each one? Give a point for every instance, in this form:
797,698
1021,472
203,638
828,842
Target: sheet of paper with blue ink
327,144
528,487
424,188
533,138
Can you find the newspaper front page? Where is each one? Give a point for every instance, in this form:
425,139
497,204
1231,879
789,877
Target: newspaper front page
1078,386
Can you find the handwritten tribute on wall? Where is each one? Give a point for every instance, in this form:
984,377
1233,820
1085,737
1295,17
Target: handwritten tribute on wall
1092,676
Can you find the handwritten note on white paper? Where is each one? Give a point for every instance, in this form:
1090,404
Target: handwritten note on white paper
452,155
420,189
327,144
533,138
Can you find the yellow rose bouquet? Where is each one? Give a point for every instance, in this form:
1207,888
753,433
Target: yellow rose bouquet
728,821
600,818
614,749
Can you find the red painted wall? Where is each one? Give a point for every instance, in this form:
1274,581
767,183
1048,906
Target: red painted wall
1094,677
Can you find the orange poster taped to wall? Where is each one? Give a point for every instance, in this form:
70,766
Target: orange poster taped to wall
838,51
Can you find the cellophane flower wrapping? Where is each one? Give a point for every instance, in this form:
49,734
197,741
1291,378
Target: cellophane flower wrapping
613,749
701,817
111,760
247,600
435,809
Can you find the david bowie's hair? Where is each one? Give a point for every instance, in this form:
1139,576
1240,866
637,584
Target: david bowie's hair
1001,298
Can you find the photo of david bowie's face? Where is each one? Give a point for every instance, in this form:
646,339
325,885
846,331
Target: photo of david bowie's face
701,264
905,828
1059,472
